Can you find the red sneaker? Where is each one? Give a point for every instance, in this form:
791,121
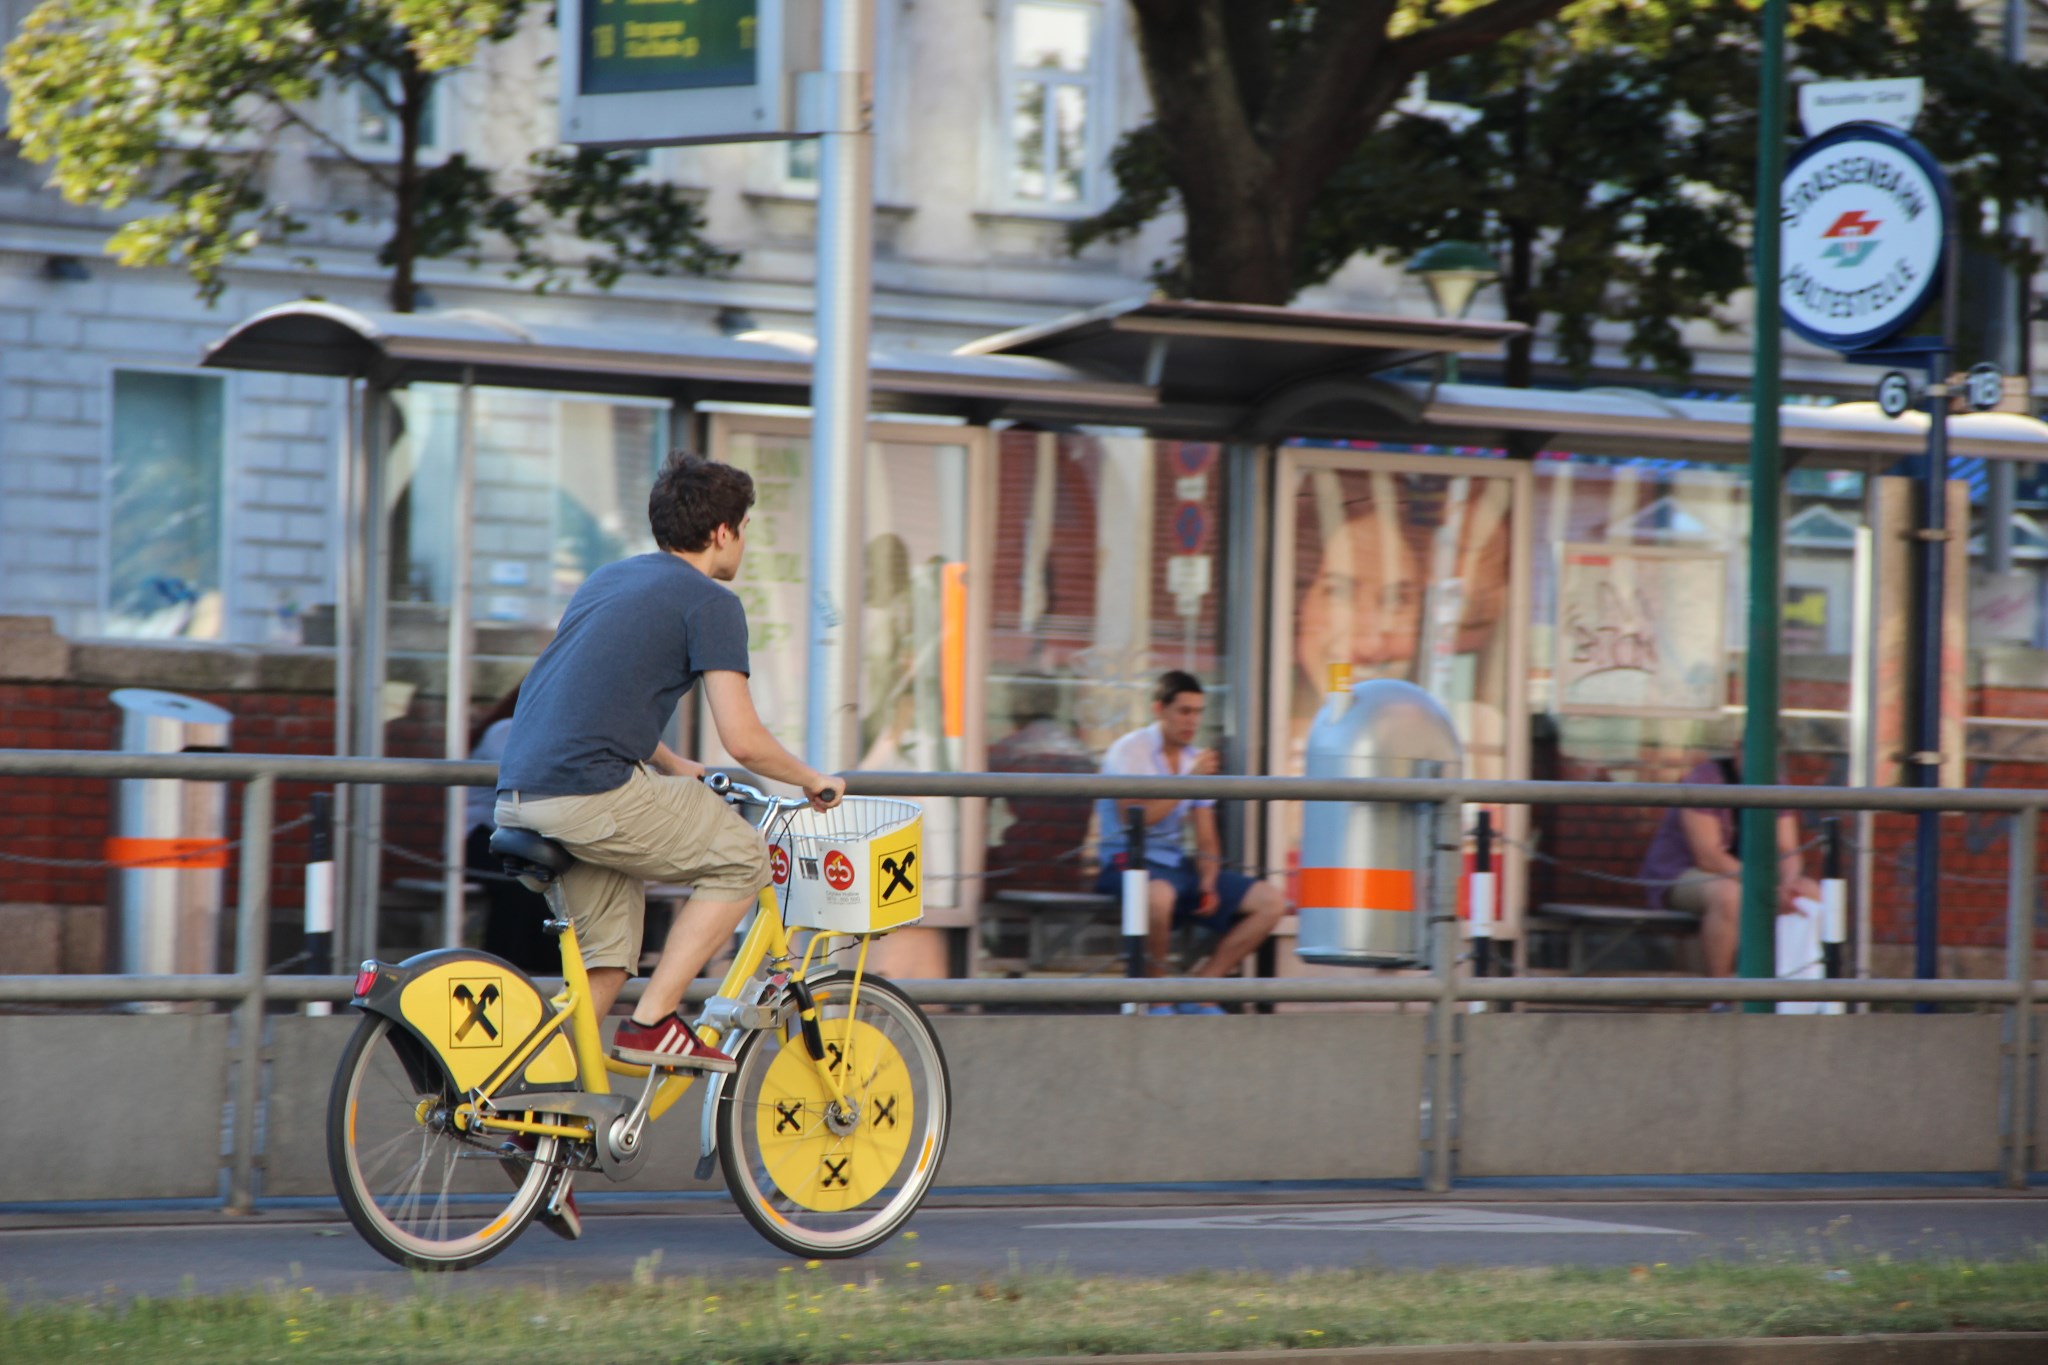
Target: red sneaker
672,1042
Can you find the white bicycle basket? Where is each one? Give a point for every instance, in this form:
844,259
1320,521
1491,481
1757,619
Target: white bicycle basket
854,869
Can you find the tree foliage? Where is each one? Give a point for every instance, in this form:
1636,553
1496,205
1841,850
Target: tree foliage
1607,158
184,104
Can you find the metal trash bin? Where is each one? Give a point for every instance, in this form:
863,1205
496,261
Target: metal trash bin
169,848
1366,865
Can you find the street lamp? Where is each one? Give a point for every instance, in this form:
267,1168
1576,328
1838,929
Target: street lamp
1454,272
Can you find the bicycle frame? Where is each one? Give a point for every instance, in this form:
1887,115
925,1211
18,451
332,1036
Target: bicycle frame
766,942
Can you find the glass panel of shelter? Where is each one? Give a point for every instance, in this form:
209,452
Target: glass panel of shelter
1108,571
916,626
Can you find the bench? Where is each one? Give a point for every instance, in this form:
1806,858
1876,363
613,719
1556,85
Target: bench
1079,930
1620,922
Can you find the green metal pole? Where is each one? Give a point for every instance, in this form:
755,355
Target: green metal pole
1758,954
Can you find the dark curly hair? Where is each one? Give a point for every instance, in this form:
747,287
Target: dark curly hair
692,497
1172,683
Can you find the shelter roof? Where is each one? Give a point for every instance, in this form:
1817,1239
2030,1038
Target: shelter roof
1632,422
1226,354
1196,370
401,348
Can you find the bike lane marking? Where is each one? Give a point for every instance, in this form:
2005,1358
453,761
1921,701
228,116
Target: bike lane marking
1395,1219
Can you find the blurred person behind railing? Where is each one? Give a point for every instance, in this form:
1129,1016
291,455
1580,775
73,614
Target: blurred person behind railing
514,915
1696,856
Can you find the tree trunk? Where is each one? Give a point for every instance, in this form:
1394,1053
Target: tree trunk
1515,290
1521,275
415,89
1240,243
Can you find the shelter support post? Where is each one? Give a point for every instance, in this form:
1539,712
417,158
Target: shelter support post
348,597
456,722
2022,903
1760,692
252,958
364,828
839,388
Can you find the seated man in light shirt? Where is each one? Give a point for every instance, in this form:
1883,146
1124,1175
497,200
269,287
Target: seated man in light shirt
1237,913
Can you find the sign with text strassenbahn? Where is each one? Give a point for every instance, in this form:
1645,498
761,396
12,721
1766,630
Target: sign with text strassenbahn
1863,223
659,73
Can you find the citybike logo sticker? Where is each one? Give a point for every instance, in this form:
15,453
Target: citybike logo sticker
1852,238
778,864
838,870
1861,231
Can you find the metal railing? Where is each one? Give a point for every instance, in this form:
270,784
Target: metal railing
251,988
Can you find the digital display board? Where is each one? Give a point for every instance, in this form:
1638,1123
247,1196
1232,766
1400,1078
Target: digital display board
631,46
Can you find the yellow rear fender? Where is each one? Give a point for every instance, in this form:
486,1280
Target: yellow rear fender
477,1015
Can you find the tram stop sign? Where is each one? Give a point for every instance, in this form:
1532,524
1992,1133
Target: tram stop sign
1863,228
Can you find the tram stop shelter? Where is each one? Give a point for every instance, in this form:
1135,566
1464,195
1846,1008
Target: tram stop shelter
1056,512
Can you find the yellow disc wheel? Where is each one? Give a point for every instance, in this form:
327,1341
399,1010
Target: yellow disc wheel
816,1178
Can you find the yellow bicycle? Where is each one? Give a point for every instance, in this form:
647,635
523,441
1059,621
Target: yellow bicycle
830,1128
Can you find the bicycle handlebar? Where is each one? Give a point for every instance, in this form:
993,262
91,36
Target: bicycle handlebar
724,785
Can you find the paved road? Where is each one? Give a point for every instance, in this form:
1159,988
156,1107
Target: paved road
1086,1239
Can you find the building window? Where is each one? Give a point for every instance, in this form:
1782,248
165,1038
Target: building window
369,117
164,506
800,162
561,488
1054,66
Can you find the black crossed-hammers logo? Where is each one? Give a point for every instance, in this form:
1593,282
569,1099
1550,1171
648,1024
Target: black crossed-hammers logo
899,875
477,1004
835,1173
789,1115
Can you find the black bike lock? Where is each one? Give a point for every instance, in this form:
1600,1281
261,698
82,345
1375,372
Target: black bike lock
807,1020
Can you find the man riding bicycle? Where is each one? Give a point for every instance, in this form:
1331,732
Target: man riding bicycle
584,764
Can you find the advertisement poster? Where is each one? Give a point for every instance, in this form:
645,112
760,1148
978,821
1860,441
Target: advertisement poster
1641,631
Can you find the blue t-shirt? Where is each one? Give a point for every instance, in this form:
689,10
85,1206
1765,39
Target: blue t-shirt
636,637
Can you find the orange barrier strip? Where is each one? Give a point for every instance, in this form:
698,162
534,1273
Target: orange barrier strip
196,853
953,648
1361,888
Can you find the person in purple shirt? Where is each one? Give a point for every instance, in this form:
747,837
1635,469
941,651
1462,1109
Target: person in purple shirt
1696,857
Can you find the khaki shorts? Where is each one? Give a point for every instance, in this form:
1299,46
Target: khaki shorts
1689,892
651,828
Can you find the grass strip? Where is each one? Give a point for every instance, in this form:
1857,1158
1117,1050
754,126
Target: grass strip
824,1314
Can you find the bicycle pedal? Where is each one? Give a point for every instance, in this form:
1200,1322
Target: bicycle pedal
726,1014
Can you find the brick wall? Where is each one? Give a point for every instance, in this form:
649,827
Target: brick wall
1975,849
282,703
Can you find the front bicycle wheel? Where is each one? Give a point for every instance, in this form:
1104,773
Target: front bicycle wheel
812,1178
422,1191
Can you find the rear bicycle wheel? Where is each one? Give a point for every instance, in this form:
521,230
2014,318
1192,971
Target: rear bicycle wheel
813,1179
421,1191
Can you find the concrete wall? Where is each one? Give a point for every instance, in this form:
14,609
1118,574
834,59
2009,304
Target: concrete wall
1557,1094
1069,1100
1110,1099
113,1106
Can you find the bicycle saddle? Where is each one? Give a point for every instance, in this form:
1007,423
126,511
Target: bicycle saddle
534,860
